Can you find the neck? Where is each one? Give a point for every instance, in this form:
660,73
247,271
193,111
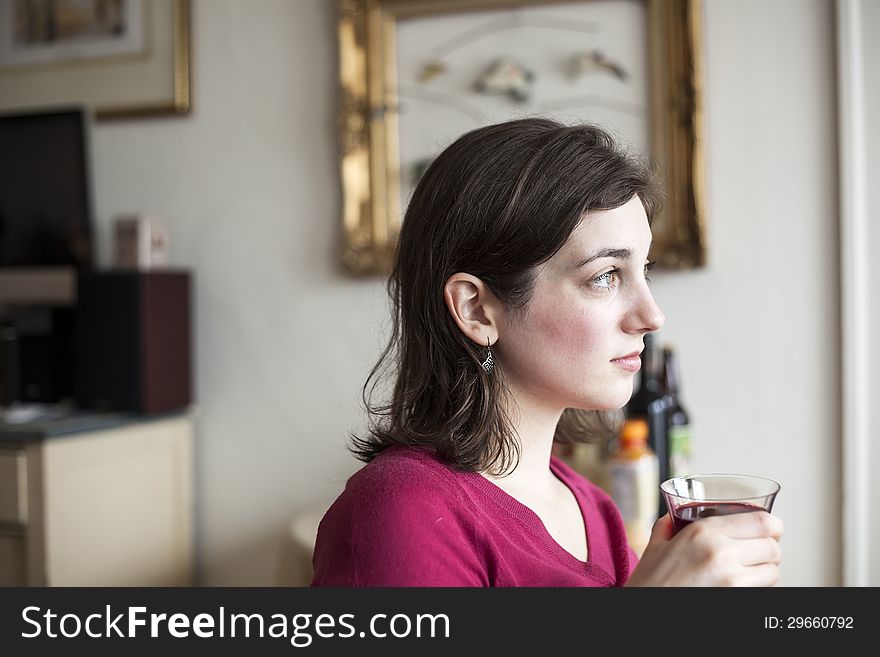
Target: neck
535,426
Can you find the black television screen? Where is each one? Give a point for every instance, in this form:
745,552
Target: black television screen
45,200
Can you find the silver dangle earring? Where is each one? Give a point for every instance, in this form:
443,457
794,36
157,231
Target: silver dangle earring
489,363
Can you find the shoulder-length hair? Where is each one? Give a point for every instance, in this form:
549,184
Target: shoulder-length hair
497,203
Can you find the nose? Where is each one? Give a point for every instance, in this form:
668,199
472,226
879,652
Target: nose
646,316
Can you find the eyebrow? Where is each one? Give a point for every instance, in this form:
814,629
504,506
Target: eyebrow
621,254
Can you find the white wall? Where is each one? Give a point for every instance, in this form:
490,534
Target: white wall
758,328
870,24
249,189
248,186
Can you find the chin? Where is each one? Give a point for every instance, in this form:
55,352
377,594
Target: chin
614,406
604,403
611,400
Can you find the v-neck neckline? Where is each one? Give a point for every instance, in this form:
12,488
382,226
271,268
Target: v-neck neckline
532,521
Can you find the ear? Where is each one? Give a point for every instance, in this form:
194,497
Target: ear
473,306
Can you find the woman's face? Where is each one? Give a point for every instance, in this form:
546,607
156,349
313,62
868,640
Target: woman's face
591,306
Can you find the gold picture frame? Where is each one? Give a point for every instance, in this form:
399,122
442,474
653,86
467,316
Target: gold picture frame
154,82
369,117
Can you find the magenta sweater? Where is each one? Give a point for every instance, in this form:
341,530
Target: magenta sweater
408,519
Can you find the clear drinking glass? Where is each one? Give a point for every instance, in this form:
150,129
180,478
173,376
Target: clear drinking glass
701,496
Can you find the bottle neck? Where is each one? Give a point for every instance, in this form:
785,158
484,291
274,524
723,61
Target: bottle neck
650,383
650,379
670,373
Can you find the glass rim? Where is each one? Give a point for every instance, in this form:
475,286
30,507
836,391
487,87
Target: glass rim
774,487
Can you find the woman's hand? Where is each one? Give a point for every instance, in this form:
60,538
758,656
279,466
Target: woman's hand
735,550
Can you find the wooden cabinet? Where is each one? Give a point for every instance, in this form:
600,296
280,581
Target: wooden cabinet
106,507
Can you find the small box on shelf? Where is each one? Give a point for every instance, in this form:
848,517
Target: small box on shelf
140,242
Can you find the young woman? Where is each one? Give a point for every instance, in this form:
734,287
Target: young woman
520,303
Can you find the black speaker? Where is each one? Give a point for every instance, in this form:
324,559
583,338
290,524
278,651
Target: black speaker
133,341
36,355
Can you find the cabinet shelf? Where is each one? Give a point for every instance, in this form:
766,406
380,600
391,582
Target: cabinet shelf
55,286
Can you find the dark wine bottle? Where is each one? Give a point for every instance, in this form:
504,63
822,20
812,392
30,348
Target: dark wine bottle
677,419
649,403
650,384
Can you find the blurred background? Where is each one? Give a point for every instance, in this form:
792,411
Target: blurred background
247,187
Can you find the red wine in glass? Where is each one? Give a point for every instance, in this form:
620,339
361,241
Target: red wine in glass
688,513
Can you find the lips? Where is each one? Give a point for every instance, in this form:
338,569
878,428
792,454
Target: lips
631,362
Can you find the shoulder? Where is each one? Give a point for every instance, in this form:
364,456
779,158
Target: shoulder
400,521
403,486
402,474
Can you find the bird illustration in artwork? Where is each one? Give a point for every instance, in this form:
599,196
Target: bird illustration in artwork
430,71
595,61
505,76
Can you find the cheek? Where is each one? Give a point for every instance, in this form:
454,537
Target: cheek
571,332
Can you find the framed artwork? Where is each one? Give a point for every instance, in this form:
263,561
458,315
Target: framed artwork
416,74
120,58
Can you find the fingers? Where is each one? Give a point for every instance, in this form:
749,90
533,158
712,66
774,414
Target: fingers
764,575
757,551
754,524
735,550
662,528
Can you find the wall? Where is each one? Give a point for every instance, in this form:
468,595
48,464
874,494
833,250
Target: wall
249,189
870,22
758,328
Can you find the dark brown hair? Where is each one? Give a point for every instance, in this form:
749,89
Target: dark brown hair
497,203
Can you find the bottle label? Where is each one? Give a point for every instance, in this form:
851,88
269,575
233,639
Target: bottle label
624,490
679,450
634,489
